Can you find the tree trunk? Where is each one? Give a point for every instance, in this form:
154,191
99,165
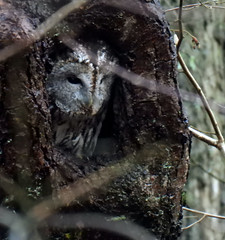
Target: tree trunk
142,177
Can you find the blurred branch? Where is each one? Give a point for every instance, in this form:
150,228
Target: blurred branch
75,191
7,217
123,228
93,182
13,189
208,172
57,17
20,227
196,5
41,30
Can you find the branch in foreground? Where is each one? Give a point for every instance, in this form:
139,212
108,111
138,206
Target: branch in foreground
76,190
55,18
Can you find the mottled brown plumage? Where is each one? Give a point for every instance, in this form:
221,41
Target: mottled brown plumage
79,88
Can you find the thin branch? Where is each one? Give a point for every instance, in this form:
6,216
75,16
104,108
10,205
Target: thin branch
217,143
194,39
205,5
189,217
191,225
205,132
184,31
203,99
204,213
218,7
203,137
185,7
208,172
195,5
180,26
211,141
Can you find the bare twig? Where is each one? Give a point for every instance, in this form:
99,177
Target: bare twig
194,39
204,213
191,225
220,142
205,132
180,26
218,7
184,31
203,137
195,5
203,98
208,172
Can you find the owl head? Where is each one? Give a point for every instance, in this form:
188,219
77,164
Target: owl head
80,83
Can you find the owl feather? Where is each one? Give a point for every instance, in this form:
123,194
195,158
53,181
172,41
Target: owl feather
79,89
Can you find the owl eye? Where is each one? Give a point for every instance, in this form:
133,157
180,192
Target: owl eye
73,79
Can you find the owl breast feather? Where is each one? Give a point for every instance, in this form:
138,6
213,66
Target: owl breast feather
79,91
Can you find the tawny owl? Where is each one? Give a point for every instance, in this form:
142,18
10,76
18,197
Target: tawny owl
79,90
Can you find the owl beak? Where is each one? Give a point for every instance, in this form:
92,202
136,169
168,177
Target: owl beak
88,102
95,106
94,111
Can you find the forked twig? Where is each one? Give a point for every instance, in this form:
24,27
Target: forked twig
205,214
219,143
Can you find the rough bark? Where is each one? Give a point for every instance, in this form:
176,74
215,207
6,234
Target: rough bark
148,123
